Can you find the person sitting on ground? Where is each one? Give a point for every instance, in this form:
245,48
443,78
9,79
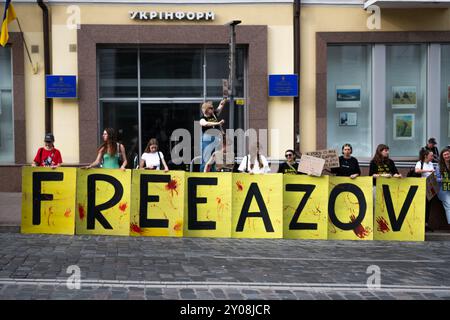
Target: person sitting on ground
152,159
348,165
48,155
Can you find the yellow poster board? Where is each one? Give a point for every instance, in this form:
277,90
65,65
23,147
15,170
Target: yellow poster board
350,208
208,205
157,203
257,206
48,200
103,202
305,207
400,209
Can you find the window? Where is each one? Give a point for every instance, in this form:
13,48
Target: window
445,97
6,109
348,98
377,94
406,73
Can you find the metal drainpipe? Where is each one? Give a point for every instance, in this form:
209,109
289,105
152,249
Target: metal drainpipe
297,11
47,64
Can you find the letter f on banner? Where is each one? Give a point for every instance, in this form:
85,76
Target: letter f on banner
38,197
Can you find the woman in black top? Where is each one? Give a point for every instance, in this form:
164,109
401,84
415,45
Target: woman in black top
207,121
381,165
290,166
348,165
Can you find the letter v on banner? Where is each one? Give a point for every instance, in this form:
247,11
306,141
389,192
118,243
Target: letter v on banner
400,209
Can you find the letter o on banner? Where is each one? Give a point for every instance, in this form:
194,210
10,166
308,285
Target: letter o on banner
347,187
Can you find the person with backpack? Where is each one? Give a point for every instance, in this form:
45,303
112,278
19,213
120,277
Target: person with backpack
424,167
152,159
110,154
254,162
48,155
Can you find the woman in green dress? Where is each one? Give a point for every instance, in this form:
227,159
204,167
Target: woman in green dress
110,152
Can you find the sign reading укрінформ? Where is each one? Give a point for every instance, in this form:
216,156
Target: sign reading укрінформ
166,15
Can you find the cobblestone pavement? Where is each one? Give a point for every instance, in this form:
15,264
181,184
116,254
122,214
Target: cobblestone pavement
36,267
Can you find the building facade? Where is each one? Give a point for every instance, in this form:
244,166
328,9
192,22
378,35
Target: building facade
370,72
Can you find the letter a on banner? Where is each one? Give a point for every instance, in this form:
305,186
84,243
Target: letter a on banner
208,205
257,206
400,209
157,203
48,200
350,209
103,202
305,204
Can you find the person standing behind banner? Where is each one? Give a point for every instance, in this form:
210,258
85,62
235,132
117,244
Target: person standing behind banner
431,146
425,167
152,159
443,179
207,121
290,166
381,165
254,162
221,160
48,155
110,152
348,165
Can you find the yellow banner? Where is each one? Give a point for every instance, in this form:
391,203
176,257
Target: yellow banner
257,206
48,200
208,205
350,209
400,209
103,202
157,203
305,207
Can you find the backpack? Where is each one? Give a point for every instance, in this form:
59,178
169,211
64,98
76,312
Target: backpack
412,172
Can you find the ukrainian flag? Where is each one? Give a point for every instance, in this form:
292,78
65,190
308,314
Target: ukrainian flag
8,16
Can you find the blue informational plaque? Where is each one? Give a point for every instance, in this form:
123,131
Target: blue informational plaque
60,86
283,85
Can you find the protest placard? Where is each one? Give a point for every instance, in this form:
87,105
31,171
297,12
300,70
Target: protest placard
311,165
329,155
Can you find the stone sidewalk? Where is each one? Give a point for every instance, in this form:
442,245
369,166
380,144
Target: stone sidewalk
10,209
39,267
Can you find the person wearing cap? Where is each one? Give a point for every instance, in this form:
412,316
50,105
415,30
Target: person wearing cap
48,155
431,146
